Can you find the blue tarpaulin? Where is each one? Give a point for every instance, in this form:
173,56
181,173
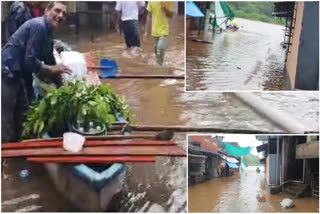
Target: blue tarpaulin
193,10
232,165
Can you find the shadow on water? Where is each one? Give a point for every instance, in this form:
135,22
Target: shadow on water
243,192
248,59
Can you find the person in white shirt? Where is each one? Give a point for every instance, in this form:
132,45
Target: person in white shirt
128,14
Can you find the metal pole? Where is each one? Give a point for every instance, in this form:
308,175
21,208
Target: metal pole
277,163
282,154
280,118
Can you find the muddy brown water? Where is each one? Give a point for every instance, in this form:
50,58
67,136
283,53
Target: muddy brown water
243,192
248,59
151,187
154,102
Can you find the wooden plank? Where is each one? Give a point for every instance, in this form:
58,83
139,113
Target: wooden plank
128,76
155,128
46,144
93,159
163,135
174,151
99,137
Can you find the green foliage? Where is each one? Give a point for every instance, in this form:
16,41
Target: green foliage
259,11
252,160
76,101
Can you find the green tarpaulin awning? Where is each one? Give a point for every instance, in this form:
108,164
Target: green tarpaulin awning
227,11
243,162
236,151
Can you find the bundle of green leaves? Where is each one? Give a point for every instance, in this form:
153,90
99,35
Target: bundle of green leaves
68,104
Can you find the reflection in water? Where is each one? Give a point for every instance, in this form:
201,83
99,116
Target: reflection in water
244,192
248,59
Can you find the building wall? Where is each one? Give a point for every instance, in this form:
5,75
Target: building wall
271,170
285,153
307,150
292,57
307,77
206,142
267,169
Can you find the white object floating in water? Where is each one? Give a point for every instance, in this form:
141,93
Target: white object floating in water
156,208
29,208
73,142
286,203
168,82
20,199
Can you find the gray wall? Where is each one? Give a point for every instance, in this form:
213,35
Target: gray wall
307,76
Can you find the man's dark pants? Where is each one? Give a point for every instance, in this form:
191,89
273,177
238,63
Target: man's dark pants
131,33
14,104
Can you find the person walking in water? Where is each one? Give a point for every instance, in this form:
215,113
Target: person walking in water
128,16
158,17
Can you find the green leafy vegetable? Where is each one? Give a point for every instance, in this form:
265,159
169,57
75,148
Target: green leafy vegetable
74,102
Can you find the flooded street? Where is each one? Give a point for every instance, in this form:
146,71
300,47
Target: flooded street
250,58
160,186
242,193
150,187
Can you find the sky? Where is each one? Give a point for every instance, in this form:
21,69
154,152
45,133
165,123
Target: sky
243,140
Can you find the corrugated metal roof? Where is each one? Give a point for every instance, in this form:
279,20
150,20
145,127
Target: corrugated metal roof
192,148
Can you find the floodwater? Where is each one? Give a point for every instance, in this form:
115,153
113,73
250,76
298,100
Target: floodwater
225,111
249,59
243,192
160,186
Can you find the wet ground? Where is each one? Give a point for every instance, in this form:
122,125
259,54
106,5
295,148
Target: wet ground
161,186
243,192
249,59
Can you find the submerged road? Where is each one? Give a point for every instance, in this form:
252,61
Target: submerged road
250,59
160,186
243,192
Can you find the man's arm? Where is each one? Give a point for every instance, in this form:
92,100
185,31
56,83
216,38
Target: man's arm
32,59
148,25
118,19
141,7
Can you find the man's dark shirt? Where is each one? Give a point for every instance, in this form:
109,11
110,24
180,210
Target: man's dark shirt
19,14
31,44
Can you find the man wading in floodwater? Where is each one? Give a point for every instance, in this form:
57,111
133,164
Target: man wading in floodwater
29,50
128,15
158,17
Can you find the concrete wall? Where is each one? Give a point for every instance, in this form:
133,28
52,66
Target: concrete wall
271,169
292,57
285,153
307,77
71,6
307,150
302,64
